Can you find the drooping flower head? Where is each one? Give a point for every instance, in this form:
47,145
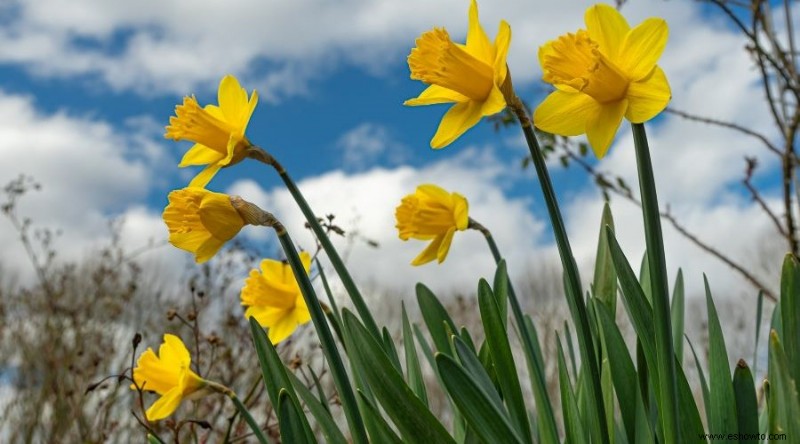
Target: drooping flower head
431,213
272,296
169,374
201,221
469,75
217,131
603,73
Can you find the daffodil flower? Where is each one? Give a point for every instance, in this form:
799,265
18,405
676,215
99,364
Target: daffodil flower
201,221
272,296
603,73
217,131
169,374
431,213
468,75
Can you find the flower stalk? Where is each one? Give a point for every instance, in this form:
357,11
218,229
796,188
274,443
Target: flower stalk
263,156
573,282
240,407
657,266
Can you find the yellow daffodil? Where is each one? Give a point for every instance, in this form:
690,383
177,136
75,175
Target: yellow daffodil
603,73
432,213
217,131
169,374
201,221
469,75
272,296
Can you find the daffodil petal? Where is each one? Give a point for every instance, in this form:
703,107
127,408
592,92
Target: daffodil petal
219,217
266,316
282,329
305,259
165,405
648,97
603,125
501,43
444,246
607,27
494,103
251,107
151,374
174,352
204,177
565,113
190,241
430,252
200,155
208,250
274,271
458,119
477,41
460,211
642,48
233,101
436,94
433,192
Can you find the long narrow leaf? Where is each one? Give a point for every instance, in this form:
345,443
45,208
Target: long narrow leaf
573,425
413,369
678,312
605,277
746,404
483,415
292,421
722,402
320,412
414,421
497,338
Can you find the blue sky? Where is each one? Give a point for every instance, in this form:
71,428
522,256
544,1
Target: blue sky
86,91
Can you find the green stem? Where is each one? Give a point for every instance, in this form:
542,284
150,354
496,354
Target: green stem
259,434
338,265
340,379
573,282
657,266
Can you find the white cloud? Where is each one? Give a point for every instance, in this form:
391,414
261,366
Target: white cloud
368,143
156,47
88,171
369,200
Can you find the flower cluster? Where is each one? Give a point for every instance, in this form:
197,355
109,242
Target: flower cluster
601,74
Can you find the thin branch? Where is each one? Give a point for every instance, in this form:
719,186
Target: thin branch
747,181
730,125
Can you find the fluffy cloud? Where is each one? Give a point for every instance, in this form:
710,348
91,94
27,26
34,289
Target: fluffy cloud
88,171
368,143
365,203
157,47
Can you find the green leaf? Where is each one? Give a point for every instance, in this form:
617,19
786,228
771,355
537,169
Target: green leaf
413,369
482,414
622,369
501,288
275,376
291,420
318,385
414,421
790,314
605,277
677,315
381,431
703,384
319,410
784,405
435,317
746,404
544,410
391,350
570,348
759,311
722,418
497,338
573,425
470,363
